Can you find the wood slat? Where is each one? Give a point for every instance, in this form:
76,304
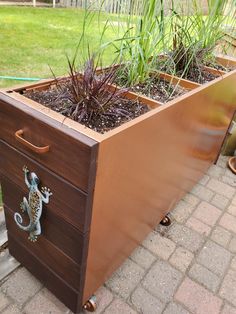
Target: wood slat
47,253
67,202
42,272
56,230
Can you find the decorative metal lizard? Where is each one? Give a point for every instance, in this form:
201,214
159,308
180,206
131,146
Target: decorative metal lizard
33,205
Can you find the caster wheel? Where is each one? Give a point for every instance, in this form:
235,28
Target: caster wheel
165,221
91,304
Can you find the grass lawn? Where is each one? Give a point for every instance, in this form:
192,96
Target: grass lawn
33,38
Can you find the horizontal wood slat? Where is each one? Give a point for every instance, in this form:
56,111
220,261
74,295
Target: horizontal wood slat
67,201
56,230
55,284
47,253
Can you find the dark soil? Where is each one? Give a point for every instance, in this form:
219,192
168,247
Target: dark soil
200,77
58,99
159,90
220,67
196,74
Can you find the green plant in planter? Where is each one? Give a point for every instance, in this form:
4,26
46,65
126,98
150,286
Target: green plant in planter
194,37
141,42
89,94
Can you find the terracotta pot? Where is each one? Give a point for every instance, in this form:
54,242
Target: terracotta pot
232,164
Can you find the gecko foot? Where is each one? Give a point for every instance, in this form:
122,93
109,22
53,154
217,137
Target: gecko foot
25,169
46,191
32,237
22,207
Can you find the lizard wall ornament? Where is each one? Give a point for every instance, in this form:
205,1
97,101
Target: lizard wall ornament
33,205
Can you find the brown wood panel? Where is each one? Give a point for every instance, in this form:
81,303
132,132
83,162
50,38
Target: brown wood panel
47,253
226,61
178,81
67,201
144,168
42,272
56,230
214,71
72,155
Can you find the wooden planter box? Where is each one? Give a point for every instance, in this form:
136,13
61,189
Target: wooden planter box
109,190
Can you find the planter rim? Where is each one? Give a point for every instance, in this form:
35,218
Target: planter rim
231,161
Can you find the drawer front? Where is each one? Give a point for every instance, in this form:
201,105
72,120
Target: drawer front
71,154
67,202
47,253
54,283
57,231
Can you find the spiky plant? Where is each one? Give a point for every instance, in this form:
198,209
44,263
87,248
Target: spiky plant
142,40
195,35
90,94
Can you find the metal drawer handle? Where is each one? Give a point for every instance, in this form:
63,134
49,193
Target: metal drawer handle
36,149
33,206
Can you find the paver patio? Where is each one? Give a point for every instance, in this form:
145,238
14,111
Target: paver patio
188,267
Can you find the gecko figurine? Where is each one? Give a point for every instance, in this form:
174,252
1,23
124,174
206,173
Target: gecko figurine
33,205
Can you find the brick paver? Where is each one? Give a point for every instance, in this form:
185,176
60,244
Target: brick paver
21,286
197,299
228,310
186,268
118,306
198,226
233,263
104,298
221,236
175,308
207,213
232,245
44,300
143,257
185,237
220,201
221,188
146,303
228,289
228,222
205,277
162,280
4,301
125,279
214,257
182,211
181,259
159,245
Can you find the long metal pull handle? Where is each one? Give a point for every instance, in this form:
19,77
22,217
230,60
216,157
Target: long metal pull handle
36,149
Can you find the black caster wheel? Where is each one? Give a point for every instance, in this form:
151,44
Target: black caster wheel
91,304
165,221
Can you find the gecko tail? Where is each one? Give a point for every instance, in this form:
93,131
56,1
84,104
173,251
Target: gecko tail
18,219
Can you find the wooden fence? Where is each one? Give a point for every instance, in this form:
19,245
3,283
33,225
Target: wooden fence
126,6
110,6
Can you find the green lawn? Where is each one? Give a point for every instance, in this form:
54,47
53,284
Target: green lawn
33,38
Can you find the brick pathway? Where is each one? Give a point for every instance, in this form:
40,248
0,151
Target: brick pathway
189,267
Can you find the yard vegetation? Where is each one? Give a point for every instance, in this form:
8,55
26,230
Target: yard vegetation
31,39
